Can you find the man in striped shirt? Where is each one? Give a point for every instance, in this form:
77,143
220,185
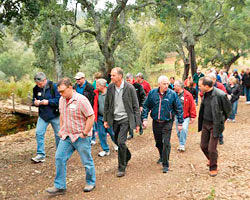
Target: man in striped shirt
76,121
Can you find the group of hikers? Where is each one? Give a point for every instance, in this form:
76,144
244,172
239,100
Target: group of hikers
81,111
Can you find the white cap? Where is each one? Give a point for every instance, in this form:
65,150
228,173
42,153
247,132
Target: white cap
79,75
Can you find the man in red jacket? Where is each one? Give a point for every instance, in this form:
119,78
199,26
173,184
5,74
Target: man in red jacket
189,115
143,83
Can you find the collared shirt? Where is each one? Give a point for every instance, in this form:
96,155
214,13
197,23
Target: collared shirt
74,114
80,89
119,111
101,100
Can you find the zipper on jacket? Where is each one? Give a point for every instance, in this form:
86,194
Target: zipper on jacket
159,112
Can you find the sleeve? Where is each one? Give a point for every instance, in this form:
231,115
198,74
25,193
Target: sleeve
86,107
226,106
106,105
146,107
142,95
178,109
54,101
34,96
192,107
135,105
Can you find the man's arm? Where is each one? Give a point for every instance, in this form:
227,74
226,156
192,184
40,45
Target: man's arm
89,124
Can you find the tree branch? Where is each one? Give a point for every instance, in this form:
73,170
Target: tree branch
137,7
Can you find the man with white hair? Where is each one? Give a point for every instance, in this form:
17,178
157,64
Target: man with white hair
164,104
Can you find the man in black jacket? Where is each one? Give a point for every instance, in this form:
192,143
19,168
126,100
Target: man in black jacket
215,109
121,112
246,83
141,97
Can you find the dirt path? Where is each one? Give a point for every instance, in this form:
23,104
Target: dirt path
187,179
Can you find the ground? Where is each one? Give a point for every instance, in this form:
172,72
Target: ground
188,177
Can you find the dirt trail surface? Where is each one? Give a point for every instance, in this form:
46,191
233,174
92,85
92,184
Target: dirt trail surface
187,179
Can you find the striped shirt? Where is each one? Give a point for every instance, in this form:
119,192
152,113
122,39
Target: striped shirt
73,116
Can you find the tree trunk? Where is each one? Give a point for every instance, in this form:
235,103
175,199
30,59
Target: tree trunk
186,71
232,61
192,59
109,65
57,62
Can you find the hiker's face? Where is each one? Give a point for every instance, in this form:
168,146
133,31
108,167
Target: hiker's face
65,91
41,83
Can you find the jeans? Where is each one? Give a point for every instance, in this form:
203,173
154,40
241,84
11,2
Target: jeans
182,135
102,133
209,145
121,129
64,152
234,110
247,92
162,134
41,128
93,138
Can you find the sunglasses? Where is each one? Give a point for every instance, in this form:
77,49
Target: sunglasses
78,79
37,79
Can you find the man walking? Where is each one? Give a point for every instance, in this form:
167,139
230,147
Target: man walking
76,119
121,111
100,95
46,98
215,109
140,79
196,78
163,103
141,97
246,83
189,115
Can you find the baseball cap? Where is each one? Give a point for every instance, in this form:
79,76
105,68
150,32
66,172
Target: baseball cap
79,75
39,76
139,75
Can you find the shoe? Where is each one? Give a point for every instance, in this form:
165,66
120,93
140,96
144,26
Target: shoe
104,153
38,158
248,102
93,142
159,161
229,120
213,173
56,191
165,170
120,174
141,131
88,188
181,148
233,120
115,147
221,142
130,137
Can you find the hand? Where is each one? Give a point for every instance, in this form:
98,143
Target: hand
145,124
44,102
180,127
83,135
191,120
105,124
141,109
37,102
137,130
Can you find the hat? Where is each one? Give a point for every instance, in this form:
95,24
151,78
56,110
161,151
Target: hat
139,75
39,76
79,75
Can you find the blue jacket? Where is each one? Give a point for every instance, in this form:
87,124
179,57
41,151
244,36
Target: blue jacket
163,109
50,111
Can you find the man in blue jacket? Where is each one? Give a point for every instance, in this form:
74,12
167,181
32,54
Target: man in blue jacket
164,104
46,98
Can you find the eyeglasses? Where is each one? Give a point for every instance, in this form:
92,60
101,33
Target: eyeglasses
78,79
37,79
62,91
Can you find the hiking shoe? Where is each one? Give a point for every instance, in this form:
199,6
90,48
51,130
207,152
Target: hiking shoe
159,161
115,147
56,191
93,142
88,188
39,158
130,137
120,174
213,173
233,120
165,170
181,148
104,153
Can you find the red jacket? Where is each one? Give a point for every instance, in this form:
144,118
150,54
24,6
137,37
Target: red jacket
96,104
189,108
146,86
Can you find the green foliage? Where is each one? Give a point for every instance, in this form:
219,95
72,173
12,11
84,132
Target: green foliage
211,195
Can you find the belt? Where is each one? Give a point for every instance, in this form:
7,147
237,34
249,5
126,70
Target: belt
160,121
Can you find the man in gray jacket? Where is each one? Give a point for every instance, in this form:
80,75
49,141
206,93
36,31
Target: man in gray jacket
121,112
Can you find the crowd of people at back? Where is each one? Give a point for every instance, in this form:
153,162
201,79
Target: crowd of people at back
79,112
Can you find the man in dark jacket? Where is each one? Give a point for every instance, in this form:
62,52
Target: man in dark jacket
246,83
121,111
164,104
83,87
141,97
196,78
46,98
215,109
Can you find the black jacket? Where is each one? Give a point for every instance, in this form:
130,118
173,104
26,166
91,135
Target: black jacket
221,110
246,80
130,102
140,93
234,92
88,92
192,91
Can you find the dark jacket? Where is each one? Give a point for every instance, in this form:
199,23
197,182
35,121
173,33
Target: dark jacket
130,102
50,111
164,108
192,91
246,80
88,92
140,93
221,110
234,92
197,77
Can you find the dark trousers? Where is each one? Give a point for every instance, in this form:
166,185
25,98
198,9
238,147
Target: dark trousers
162,134
121,129
209,144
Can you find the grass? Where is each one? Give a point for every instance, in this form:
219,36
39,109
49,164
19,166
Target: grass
211,195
